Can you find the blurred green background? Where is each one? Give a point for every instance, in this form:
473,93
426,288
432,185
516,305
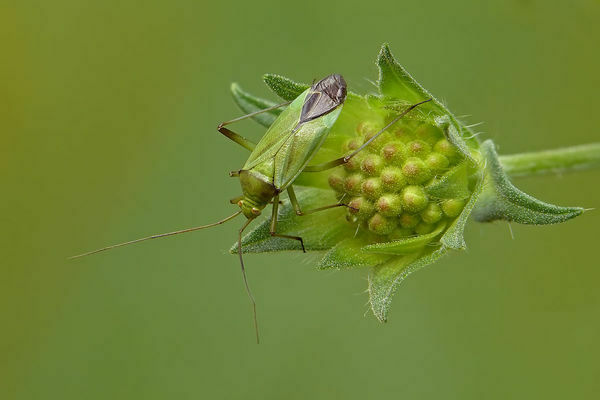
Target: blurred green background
108,112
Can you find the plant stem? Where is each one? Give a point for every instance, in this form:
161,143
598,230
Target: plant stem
556,161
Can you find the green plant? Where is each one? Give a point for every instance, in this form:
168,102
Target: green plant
413,189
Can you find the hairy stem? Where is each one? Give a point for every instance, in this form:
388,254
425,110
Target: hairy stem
556,161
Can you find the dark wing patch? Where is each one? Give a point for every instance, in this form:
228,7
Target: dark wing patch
323,97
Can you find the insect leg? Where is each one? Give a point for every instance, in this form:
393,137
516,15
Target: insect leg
345,159
273,230
298,209
246,279
239,139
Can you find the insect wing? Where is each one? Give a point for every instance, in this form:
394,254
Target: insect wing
276,135
297,152
324,97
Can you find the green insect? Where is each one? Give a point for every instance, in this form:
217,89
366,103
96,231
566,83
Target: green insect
279,157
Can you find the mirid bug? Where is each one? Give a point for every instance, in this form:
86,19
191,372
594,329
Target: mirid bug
279,157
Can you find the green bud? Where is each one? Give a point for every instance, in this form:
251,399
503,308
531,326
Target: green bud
403,133
353,164
378,142
380,225
389,205
446,148
432,213
453,207
352,144
394,152
415,171
352,184
437,162
423,228
427,133
414,199
336,180
372,188
360,208
368,128
392,179
409,221
418,148
372,164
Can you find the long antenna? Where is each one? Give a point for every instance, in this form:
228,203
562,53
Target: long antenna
402,114
246,279
159,236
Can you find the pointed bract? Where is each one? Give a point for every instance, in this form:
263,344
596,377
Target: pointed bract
501,200
284,87
385,278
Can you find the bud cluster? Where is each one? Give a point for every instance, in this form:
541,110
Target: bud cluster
384,185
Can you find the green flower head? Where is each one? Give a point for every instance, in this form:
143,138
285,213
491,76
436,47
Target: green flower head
408,193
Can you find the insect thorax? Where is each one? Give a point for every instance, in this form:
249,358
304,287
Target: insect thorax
257,191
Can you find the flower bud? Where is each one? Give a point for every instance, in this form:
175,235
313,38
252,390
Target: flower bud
437,162
415,171
418,148
453,207
392,179
432,213
424,228
368,129
414,199
427,133
394,152
402,133
389,205
409,221
360,208
336,180
353,164
352,184
446,148
372,188
372,164
380,225
351,144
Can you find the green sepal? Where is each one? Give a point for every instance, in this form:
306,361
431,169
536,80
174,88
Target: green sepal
452,131
501,200
347,254
284,87
454,238
396,83
409,245
249,104
454,184
385,278
316,229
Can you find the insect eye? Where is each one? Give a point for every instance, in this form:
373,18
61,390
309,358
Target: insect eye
240,203
255,211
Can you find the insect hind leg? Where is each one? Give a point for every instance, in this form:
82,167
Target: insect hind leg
239,139
273,230
300,212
